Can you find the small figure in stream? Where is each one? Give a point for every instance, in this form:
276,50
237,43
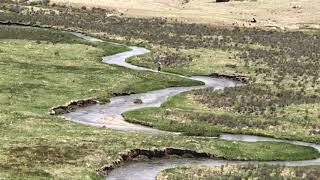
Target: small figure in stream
159,66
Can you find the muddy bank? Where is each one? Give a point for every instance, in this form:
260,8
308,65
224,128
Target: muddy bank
73,106
26,24
115,94
239,78
150,154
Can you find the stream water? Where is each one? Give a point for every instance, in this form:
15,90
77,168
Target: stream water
109,116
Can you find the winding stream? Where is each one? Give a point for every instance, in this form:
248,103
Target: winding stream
109,116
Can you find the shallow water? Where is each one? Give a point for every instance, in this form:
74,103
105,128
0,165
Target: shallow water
109,116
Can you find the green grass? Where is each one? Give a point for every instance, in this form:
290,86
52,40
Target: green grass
38,73
231,172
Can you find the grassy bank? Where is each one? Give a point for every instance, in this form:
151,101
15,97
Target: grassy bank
188,113
240,172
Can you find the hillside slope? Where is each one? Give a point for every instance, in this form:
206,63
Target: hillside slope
284,13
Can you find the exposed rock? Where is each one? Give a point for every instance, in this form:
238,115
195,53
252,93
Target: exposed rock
137,101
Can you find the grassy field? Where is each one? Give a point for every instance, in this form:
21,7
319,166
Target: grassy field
240,172
44,68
